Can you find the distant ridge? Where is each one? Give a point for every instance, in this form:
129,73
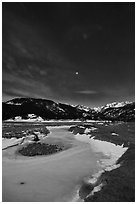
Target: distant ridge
42,109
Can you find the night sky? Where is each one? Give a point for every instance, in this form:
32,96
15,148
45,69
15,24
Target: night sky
77,53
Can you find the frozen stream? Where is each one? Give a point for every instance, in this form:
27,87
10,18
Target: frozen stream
49,178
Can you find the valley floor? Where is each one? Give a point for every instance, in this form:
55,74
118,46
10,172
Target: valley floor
48,178
57,177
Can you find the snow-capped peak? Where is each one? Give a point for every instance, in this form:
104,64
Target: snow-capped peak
117,104
83,108
112,105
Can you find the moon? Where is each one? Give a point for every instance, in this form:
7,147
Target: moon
76,73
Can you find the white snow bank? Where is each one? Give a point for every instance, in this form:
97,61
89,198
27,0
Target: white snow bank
14,141
109,149
95,177
112,151
10,142
112,167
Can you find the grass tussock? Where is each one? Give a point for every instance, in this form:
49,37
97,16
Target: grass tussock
35,149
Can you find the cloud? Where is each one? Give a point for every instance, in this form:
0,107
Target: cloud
88,92
18,86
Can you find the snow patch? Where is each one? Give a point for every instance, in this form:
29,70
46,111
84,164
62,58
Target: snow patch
112,151
88,130
97,188
114,134
32,118
95,177
80,107
112,167
11,142
13,103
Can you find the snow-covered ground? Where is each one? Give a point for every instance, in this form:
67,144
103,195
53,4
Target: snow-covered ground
112,151
49,178
107,148
10,142
31,118
58,177
34,118
6,143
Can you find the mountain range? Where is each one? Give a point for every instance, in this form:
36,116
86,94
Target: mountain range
43,109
